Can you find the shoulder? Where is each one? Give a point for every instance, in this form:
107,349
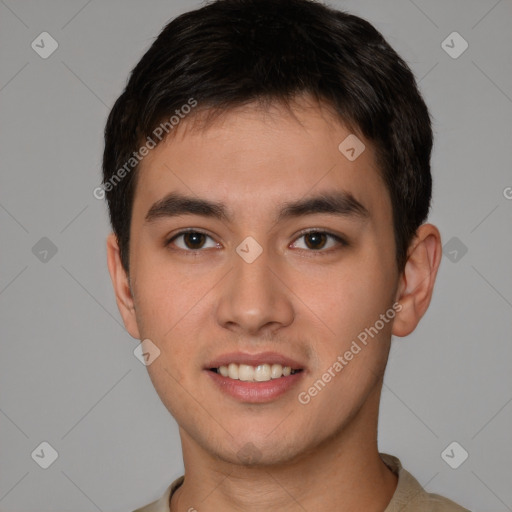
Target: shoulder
162,504
410,496
435,503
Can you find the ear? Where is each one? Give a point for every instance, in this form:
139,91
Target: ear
121,286
417,280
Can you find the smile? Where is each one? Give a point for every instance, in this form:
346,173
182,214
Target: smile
254,378
260,373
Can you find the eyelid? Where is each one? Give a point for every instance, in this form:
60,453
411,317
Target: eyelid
184,232
339,238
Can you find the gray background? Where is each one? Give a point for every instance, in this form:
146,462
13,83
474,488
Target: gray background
68,375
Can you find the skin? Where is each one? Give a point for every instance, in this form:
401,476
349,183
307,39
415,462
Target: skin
306,303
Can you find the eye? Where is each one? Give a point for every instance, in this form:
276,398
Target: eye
192,240
317,240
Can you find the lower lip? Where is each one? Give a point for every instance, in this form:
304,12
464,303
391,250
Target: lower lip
255,392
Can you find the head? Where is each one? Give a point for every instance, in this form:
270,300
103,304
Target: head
241,124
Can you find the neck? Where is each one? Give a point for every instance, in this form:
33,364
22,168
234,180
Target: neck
341,474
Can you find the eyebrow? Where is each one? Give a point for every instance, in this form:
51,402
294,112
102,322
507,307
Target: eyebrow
337,203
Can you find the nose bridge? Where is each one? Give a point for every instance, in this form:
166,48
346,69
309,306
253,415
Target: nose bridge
253,298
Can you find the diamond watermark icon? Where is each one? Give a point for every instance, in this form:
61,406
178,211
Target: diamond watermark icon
45,455
44,250
351,147
146,352
249,249
454,45
454,249
44,45
249,454
454,455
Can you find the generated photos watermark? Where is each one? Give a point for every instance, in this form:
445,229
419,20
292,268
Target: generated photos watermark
305,397
159,133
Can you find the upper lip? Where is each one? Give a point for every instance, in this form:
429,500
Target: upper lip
254,360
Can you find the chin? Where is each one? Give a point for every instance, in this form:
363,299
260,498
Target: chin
262,450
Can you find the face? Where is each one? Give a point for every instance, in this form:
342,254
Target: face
259,249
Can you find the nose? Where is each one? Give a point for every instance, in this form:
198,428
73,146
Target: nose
253,300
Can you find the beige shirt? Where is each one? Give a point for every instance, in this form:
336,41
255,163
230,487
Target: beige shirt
409,496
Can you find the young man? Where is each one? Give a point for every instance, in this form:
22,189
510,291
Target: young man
267,174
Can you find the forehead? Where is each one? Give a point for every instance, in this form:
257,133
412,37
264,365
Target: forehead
255,158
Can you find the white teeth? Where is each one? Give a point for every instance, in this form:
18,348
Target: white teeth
260,373
233,371
276,371
245,372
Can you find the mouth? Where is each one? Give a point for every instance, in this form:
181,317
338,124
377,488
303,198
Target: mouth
255,378
260,373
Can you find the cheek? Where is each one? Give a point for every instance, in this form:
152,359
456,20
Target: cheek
173,310
352,351
166,296
348,298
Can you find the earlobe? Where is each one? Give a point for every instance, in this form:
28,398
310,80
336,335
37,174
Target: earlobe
418,277
120,282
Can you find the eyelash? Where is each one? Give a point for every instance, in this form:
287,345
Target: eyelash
341,241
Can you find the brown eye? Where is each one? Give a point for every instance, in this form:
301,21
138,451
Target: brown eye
315,240
192,241
318,240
